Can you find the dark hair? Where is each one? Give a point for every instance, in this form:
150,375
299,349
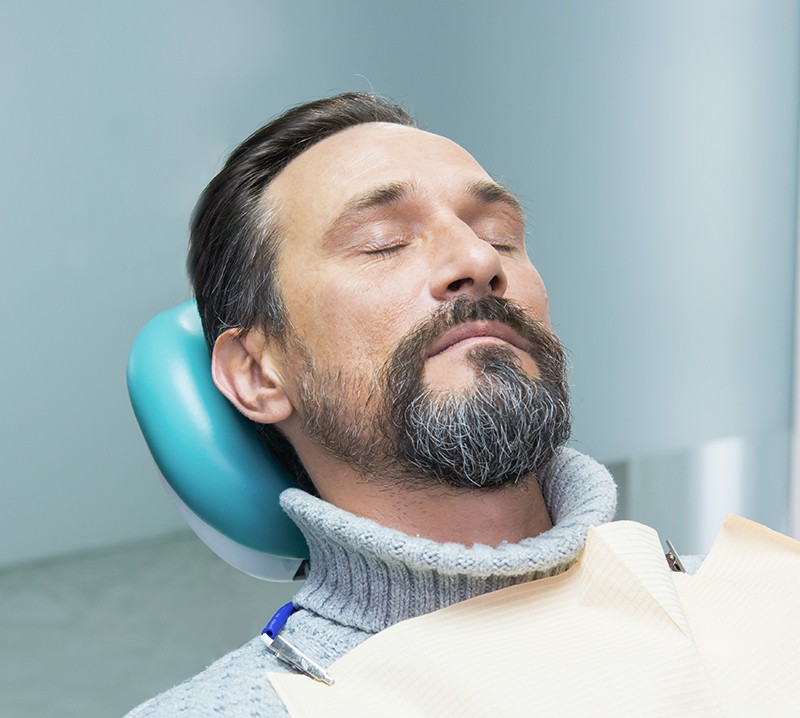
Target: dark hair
233,242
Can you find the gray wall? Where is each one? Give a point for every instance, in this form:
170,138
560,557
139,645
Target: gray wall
653,143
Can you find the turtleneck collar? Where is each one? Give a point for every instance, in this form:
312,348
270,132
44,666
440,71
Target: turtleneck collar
368,576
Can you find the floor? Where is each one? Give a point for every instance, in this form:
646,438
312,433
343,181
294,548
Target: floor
96,634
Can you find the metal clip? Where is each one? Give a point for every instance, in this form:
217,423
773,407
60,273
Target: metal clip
295,657
673,559
288,653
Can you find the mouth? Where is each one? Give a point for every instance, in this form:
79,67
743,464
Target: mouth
475,332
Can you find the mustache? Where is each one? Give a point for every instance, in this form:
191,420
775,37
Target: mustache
540,342
503,426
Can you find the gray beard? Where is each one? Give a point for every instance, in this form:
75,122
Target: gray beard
501,430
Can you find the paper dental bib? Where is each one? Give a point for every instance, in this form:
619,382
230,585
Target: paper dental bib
619,634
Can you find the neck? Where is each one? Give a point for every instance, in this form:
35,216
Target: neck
444,514
368,576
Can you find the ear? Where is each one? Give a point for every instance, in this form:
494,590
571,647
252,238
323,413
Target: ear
245,371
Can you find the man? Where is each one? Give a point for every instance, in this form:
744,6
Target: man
369,303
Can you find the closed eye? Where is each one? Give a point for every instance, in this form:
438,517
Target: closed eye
383,249
503,248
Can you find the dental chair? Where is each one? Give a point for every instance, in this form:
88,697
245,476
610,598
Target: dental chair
213,465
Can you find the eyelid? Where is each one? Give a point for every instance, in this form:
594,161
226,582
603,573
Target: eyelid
504,245
385,248
384,240
496,230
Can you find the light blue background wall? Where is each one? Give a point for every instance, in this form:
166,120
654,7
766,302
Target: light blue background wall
653,143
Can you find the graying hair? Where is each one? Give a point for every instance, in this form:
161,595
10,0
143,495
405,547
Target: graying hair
234,242
503,430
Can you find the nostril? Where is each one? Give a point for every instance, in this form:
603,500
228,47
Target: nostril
495,283
458,284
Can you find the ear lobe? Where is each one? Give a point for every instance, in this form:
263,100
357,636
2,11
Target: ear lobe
243,370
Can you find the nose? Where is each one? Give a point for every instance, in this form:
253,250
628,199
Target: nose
466,264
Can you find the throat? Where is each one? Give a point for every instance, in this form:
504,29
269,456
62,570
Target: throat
491,517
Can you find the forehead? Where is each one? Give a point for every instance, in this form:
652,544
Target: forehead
317,184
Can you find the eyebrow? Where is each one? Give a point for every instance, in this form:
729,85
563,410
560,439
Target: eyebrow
381,196
387,194
490,192
484,191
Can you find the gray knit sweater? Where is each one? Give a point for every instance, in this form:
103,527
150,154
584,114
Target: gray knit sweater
365,577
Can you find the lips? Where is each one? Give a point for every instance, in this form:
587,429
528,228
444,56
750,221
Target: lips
476,330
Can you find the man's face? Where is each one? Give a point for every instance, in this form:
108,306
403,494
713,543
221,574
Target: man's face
383,227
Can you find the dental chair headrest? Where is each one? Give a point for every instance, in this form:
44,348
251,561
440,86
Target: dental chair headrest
214,466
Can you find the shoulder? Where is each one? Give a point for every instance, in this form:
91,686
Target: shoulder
235,685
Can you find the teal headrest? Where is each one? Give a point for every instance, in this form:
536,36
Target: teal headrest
214,465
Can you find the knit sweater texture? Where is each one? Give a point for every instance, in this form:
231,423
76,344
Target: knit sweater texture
365,577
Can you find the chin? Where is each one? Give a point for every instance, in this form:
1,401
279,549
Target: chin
449,373
453,370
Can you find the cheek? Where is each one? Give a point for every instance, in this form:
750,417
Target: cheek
526,287
344,319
